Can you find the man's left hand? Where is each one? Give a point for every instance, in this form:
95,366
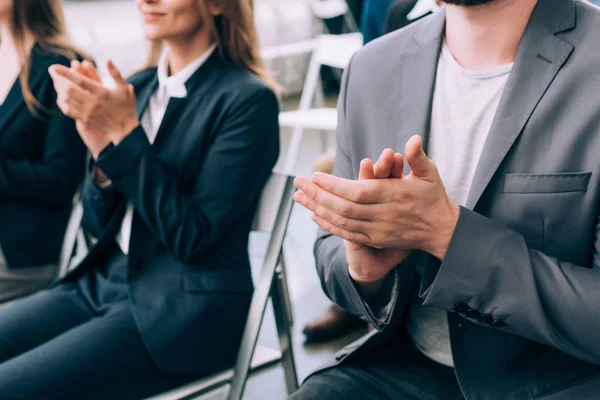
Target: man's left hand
410,213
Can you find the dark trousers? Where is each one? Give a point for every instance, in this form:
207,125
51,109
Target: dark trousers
53,345
397,371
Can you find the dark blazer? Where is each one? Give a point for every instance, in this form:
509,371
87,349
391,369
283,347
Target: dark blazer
521,278
194,191
41,165
397,17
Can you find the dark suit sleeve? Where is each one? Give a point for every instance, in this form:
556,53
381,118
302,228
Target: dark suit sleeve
227,187
330,256
98,204
54,178
526,292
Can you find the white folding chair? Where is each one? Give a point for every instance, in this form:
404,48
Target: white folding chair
272,217
328,9
332,51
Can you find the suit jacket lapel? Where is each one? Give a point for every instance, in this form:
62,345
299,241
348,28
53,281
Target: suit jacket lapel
415,91
541,55
14,102
143,95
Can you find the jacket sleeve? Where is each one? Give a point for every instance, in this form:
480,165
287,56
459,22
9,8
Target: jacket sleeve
54,178
226,188
490,276
330,256
99,204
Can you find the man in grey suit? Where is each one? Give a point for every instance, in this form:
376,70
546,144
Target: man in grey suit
480,267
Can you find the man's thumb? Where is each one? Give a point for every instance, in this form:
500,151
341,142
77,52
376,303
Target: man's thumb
418,162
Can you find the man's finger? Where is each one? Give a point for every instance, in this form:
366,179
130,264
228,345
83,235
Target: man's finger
339,205
348,224
115,74
353,237
360,192
398,168
366,169
420,165
78,79
383,166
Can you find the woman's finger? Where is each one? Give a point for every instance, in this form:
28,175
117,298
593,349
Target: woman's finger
90,71
115,74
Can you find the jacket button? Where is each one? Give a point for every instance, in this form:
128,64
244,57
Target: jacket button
497,323
473,314
486,319
461,307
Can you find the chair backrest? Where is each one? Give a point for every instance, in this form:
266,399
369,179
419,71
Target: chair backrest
270,200
328,9
70,239
273,215
337,50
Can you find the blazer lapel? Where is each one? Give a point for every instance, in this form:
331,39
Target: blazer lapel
14,102
180,111
143,95
415,91
170,120
541,55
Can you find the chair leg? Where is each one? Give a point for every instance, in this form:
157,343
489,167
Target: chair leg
285,334
285,288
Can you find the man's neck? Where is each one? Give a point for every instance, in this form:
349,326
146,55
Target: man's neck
183,51
487,36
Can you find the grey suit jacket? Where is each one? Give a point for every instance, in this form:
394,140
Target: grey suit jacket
521,279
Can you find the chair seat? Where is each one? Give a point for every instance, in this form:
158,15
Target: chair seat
263,357
321,119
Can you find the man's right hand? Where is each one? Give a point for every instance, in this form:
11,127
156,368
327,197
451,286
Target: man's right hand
368,266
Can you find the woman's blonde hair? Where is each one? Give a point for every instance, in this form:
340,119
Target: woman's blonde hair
235,34
44,20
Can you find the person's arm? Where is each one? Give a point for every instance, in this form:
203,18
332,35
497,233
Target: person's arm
377,302
489,268
227,186
99,200
54,178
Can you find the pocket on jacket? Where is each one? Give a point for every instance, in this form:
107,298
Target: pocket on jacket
218,281
547,183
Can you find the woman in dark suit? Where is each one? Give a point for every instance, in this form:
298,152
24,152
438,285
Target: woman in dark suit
181,154
41,155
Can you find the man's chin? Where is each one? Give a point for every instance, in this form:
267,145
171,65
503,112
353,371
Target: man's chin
467,3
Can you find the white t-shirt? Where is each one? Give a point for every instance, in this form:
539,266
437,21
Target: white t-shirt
464,105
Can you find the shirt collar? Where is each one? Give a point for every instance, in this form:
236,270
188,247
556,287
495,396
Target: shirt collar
174,85
421,8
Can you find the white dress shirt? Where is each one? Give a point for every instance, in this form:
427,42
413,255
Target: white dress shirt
168,86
